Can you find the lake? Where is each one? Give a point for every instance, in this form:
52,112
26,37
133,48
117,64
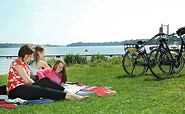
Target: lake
5,62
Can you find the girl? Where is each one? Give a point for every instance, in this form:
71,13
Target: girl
57,73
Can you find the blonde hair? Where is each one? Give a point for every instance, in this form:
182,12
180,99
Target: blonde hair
36,56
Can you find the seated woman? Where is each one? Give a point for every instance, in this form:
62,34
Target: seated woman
57,73
20,85
37,64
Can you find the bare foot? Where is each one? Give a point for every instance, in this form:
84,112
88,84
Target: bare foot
83,97
75,97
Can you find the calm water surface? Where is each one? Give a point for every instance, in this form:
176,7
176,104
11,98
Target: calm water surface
5,62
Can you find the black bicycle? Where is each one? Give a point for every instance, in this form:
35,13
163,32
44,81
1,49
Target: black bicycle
135,60
166,61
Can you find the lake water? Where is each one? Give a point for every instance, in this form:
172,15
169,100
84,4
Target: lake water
5,62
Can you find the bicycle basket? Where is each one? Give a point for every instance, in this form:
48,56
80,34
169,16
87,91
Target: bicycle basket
181,31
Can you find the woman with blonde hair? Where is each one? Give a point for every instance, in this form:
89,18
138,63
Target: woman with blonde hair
38,64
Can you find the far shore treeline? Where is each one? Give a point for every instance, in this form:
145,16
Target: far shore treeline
171,41
17,45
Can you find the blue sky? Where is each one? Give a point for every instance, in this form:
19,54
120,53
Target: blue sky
67,21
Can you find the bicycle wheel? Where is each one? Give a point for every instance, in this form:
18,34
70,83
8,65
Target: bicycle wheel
134,64
181,61
160,63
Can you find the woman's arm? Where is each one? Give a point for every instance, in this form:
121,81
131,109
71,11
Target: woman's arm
21,71
42,73
43,64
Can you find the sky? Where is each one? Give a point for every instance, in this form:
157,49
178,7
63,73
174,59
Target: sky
62,22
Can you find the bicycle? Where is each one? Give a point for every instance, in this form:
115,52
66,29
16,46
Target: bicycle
135,61
165,61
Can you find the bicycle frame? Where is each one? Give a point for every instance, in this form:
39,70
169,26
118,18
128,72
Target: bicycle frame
177,63
163,45
138,62
164,60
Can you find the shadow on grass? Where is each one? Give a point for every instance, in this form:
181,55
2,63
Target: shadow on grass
160,79
151,78
127,76
131,76
177,76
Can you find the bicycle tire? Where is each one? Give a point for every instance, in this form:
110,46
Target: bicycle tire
178,69
160,63
134,64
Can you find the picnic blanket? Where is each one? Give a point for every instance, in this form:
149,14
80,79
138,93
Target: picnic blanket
75,88
99,90
17,102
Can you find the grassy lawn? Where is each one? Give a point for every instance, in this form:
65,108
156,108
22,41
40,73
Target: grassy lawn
135,95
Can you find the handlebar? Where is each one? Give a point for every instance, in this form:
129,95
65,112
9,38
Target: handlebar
173,34
181,31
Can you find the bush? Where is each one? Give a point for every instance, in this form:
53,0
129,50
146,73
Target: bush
116,60
95,60
103,61
51,61
98,57
71,59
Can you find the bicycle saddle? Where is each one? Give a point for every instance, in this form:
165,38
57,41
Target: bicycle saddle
180,31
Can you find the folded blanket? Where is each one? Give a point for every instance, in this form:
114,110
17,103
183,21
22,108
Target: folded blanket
73,88
84,92
3,97
81,89
8,105
39,101
17,102
100,90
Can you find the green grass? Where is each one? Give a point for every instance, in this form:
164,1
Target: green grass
135,95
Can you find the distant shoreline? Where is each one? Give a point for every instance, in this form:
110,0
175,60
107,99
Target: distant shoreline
171,41
14,45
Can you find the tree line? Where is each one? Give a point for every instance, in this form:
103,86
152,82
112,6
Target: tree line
171,41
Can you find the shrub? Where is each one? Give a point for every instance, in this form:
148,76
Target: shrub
51,61
71,59
98,57
94,61
116,60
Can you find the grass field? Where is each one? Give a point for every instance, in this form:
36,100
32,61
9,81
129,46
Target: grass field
135,95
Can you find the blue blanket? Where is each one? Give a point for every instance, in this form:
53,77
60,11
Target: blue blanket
15,103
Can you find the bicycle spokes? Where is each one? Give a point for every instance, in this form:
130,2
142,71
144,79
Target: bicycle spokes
161,64
134,63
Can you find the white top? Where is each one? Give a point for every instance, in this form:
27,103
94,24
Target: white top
33,70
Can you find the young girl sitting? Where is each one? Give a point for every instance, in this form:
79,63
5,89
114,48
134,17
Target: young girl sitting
57,73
